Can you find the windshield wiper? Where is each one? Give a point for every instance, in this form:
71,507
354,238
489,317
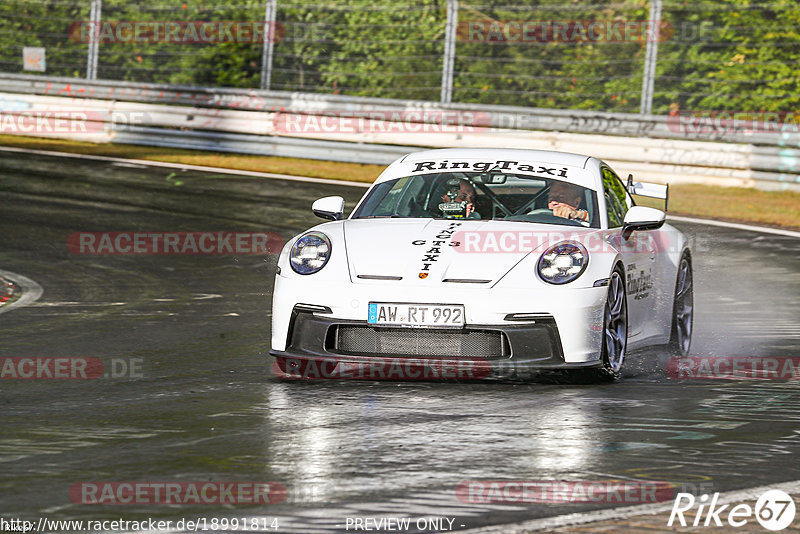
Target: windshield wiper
392,216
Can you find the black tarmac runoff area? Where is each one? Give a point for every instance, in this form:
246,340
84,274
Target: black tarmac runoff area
180,393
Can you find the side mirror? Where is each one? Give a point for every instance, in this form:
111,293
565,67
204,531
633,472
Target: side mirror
330,208
642,218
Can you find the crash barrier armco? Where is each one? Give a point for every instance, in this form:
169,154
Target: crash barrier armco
714,150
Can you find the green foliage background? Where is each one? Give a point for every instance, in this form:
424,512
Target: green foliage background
723,54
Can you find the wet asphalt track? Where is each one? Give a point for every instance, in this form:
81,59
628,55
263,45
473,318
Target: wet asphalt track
206,407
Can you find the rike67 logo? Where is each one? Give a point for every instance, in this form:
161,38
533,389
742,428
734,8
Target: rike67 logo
774,510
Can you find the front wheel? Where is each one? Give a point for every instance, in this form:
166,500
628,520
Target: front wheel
615,327
682,309
614,344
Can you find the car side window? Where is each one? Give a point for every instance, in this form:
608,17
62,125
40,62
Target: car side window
616,202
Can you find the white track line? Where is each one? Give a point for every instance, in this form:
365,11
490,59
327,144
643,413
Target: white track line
738,226
223,170
164,164
31,291
548,523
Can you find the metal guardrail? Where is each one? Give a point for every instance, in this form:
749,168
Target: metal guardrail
245,123
261,145
491,116
385,154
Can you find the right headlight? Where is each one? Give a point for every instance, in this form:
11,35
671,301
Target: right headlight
310,253
562,263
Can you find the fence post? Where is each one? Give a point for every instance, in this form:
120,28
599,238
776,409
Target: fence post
449,50
651,58
270,14
94,40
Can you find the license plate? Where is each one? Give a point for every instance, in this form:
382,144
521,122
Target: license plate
391,313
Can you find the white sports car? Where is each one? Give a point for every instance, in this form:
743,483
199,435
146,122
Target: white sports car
476,263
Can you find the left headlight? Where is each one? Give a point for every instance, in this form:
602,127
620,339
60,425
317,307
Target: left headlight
310,253
563,263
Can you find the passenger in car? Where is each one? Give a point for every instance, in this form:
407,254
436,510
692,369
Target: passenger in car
466,193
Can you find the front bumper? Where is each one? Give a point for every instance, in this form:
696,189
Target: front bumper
320,346
565,328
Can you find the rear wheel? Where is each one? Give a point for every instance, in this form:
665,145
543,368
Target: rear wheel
683,309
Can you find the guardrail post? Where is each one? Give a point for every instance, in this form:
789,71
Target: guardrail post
94,39
449,50
270,14
651,58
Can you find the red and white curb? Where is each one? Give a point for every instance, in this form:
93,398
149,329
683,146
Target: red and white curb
29,291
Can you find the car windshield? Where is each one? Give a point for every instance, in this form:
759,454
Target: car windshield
488,195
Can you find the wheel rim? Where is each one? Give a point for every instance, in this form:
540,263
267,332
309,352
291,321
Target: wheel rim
615,336
684,306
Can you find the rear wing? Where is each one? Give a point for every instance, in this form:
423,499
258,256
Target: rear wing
646,189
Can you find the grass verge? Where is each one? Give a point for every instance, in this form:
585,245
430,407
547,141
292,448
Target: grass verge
299,167
735,204
739,204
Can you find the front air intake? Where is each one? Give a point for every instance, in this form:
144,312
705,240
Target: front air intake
418,342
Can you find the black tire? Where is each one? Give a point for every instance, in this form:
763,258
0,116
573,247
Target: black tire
680,340
614,345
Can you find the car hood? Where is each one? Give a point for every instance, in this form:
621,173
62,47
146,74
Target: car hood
414,251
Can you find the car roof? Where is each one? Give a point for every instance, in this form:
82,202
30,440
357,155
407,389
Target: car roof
548,156
562,165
